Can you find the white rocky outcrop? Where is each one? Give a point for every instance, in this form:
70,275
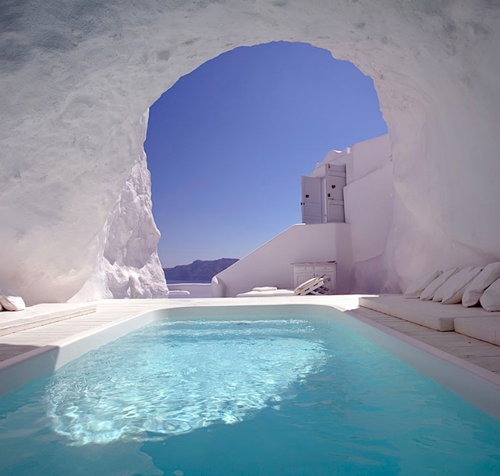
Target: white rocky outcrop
76,78
127,263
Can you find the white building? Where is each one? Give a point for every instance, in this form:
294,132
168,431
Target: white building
346,212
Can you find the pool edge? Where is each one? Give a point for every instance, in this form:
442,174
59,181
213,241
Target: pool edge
21,370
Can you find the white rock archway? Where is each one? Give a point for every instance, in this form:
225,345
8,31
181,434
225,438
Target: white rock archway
77,76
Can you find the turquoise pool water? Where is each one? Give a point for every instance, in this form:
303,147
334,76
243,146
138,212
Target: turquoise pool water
299,395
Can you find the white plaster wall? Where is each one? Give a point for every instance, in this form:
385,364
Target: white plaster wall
368,209
195,290
369,156
361,158
271,264
368,203
76,77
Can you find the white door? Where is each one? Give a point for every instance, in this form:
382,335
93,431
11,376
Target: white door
311,200
335,211
334,184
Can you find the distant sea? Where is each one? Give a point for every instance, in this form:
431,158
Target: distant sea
174,281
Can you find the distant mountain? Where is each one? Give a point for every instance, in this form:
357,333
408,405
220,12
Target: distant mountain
198,271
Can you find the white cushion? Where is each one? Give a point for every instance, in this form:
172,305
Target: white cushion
482,328
476,287
264,289
415,289
10,300
454,288
429,291
426,313
1,307
442,290
490,299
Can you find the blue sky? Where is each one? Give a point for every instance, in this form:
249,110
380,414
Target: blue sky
227,144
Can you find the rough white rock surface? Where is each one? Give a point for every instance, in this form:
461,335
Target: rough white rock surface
127,263
76,78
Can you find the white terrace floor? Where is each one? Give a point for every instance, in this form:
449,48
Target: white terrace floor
55,332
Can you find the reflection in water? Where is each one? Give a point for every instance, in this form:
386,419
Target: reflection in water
171,378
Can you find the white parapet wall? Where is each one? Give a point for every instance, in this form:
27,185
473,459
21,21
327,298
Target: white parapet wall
190,290
271,264
368,202
368,206
369,156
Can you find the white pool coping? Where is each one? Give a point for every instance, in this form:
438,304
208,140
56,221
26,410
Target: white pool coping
474,384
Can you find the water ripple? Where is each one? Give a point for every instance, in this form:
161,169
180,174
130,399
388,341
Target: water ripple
179,377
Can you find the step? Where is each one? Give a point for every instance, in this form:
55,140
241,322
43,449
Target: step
41,315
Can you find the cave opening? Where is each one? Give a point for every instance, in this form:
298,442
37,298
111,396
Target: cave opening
227,144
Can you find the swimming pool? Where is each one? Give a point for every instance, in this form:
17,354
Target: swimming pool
243,393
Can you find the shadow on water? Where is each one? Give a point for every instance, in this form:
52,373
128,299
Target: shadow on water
294,437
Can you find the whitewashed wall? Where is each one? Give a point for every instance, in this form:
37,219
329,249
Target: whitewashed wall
369,156
271,264
368,203
195,290
368,208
